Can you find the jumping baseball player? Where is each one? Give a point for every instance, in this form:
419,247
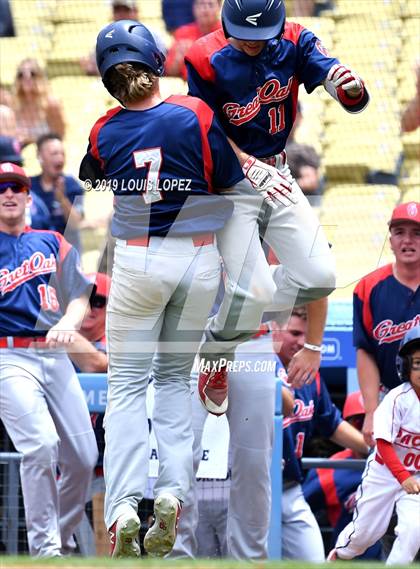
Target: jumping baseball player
392,477
163,159
249,73
43,297
386,304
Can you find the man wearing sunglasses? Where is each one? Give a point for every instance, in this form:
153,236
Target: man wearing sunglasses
43,298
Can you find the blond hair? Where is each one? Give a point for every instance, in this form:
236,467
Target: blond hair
41,92
130,82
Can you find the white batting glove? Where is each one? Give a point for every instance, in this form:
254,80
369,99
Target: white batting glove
268,181
350,82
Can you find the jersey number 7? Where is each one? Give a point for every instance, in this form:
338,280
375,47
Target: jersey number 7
151,158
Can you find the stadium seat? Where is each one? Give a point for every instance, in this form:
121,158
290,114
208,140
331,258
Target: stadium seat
355,220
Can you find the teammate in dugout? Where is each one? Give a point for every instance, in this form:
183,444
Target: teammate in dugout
43,297
249,73
392,477
386,304
165,276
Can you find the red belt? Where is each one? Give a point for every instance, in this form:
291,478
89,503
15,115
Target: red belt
20,341
198,240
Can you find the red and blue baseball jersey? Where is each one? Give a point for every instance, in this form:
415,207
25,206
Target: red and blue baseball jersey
383,311
313,410
255,98
39,276
334,490
164,165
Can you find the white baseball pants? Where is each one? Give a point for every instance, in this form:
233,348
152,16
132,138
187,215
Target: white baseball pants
45,414
376,496
307,270
159,303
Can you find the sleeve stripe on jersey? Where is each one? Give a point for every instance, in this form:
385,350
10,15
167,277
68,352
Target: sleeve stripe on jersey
364,289
94,134
204,116
292,32
201,52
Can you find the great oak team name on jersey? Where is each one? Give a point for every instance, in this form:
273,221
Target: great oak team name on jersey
163,165
313,408
397,420
37,281
383,311
256,97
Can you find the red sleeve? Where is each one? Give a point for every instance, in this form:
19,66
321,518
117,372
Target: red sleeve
391,460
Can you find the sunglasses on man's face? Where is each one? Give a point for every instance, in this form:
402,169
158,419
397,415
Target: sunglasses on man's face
98,301
16,188
31,73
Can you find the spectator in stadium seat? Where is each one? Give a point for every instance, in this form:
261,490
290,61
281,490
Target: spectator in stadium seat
206,20
334,490
61,193
8,125
410,119
177,14
386,303
37,111
304,164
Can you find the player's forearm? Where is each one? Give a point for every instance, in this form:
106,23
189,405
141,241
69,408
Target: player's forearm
347,436
317,316
288,402
74,314
240,154
369,380
70,213
86,357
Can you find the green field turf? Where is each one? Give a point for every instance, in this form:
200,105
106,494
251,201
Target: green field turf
95,562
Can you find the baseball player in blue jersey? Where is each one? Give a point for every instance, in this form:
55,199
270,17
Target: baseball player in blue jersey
386,303
164,160
43,297
313,409
249,73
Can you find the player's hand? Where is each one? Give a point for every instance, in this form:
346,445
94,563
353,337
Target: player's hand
62,334
268,181
303,367
344,79
411,485
367,430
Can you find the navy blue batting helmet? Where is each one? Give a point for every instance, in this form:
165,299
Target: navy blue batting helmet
253,19
409,344
127,41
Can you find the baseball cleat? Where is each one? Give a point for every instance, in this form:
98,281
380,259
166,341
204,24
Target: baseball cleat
332,556
213,390
124,534
160,538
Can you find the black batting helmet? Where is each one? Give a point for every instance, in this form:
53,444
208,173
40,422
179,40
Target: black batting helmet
253,19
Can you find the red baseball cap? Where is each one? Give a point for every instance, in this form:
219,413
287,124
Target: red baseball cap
102,282
10,172
409,211
353,405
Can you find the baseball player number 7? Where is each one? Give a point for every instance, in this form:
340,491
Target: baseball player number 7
151,158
